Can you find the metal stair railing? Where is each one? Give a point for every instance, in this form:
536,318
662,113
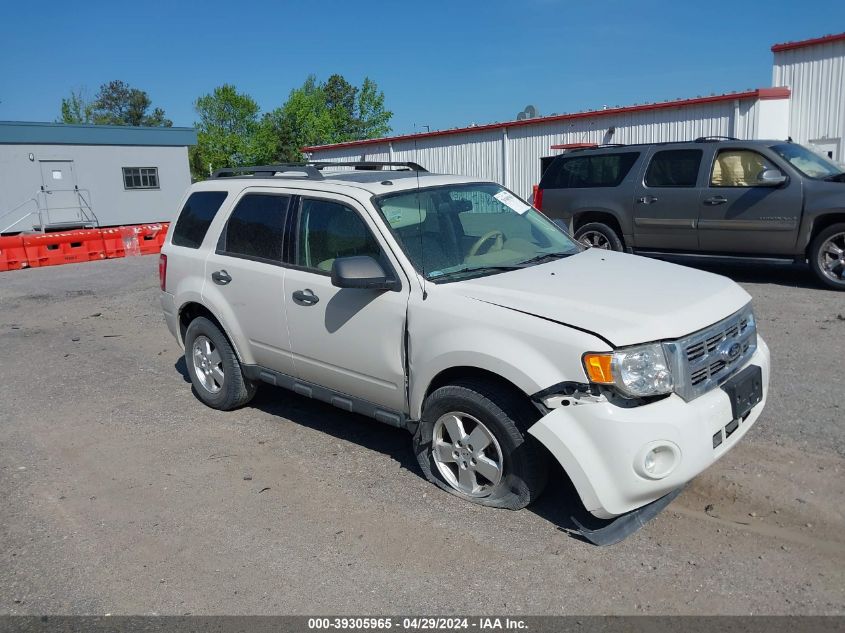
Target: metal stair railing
86,212
37,212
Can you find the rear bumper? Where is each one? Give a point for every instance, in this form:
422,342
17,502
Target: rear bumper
601,445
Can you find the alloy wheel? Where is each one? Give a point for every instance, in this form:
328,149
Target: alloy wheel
594,239
208,365
467,454
831,258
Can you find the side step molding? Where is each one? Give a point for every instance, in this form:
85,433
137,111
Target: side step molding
340,400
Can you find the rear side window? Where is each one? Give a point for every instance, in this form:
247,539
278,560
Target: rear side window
674,168
256,227
196,217
576,172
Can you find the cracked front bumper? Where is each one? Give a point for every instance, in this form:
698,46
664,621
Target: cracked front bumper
601,445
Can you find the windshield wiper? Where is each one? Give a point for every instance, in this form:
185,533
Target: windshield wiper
472,269
544,257
835,177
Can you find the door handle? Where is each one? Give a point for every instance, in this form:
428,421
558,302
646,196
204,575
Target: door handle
647,200
221,277
713,201
305,297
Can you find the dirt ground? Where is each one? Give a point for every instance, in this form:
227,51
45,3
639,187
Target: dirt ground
122,494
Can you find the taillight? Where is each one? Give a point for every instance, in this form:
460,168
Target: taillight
162,271
538,198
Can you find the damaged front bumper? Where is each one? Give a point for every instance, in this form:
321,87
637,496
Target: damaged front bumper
602,447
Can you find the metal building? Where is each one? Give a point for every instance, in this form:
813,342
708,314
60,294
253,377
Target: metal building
55,176
511,152
815,72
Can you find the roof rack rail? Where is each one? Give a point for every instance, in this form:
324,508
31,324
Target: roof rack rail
369,165
269,171
600,146
706,139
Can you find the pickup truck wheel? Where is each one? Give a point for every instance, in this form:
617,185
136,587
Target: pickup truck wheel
599,235
472,442
214,367
827,256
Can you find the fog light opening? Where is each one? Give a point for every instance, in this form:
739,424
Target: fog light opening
657,460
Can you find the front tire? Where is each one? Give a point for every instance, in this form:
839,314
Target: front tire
599,235
472,441
214,367
827,256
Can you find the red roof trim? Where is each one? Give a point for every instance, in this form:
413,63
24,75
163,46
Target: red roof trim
773,93
826,39
573,146
762,93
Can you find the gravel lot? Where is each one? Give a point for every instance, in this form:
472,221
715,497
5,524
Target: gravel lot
122,494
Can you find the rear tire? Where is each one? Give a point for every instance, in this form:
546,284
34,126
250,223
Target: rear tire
214,367
599,235
506,468
827,256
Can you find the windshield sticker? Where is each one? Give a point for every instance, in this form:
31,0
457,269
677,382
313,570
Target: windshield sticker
512,202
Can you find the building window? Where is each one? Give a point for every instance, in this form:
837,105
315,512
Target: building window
140,177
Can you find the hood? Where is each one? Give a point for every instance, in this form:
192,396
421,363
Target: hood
625,299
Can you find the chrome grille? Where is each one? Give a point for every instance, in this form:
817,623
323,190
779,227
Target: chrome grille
707,358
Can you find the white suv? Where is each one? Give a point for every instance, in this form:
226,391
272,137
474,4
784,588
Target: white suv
451,308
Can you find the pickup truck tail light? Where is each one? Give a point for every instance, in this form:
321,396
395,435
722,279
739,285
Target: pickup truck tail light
162,271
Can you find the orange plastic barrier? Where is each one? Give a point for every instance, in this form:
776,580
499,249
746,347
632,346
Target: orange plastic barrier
12,253
150,237
54,249
118,240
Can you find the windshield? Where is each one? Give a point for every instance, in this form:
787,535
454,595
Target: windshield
807,162
461,230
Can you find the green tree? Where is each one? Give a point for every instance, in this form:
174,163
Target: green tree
331,112
339,96
118,103
75,108
229,133
232,132
373,120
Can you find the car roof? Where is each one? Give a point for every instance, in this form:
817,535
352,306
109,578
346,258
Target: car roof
372,182
729,142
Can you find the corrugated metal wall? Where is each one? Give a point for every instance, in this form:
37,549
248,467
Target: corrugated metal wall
816,75
481,153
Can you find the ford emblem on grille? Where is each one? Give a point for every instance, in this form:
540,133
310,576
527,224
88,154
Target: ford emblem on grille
729,351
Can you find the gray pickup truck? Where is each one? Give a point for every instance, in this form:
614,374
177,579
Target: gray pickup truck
711,196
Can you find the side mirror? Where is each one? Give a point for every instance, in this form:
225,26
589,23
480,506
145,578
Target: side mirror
771,178
360,272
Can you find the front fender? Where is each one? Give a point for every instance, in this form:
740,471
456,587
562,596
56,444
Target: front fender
529,352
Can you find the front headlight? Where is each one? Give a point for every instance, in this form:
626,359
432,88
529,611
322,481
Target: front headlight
636,372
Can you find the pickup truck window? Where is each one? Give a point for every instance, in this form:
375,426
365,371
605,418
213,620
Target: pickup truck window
328,230
255,228
196,217
738,168
674,168
604,170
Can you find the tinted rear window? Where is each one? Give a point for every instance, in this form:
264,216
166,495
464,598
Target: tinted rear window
256,226
575,172
196,217
674,168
